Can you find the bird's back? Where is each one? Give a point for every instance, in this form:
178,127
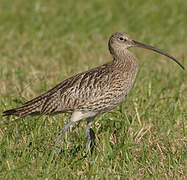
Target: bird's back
97,90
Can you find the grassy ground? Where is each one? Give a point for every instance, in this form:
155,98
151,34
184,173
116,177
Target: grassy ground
43,42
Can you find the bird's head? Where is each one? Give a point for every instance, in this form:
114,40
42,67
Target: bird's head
120,42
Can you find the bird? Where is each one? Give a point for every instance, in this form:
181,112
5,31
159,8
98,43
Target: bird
92,92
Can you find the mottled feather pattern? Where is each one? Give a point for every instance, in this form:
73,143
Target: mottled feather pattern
97,90
93,90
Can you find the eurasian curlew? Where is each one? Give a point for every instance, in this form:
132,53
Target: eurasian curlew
90,93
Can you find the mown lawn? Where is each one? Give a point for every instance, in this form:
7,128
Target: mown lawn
44,42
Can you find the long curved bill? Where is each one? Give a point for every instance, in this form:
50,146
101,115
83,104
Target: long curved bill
138,44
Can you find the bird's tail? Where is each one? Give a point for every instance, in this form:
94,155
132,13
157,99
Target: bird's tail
30,108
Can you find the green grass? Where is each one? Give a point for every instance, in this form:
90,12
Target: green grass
44,42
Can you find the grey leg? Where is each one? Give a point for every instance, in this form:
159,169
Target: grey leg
90,135
89,123
62,131
76,116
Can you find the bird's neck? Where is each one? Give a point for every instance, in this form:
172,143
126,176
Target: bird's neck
125,60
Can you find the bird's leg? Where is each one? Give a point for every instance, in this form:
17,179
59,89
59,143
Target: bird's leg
62,131
90,135
76,116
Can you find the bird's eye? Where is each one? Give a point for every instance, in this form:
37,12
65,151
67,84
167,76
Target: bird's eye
123,39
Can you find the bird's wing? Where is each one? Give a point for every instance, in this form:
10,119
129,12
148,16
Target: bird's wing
77,91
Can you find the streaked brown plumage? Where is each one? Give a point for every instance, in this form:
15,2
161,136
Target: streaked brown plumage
92,92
